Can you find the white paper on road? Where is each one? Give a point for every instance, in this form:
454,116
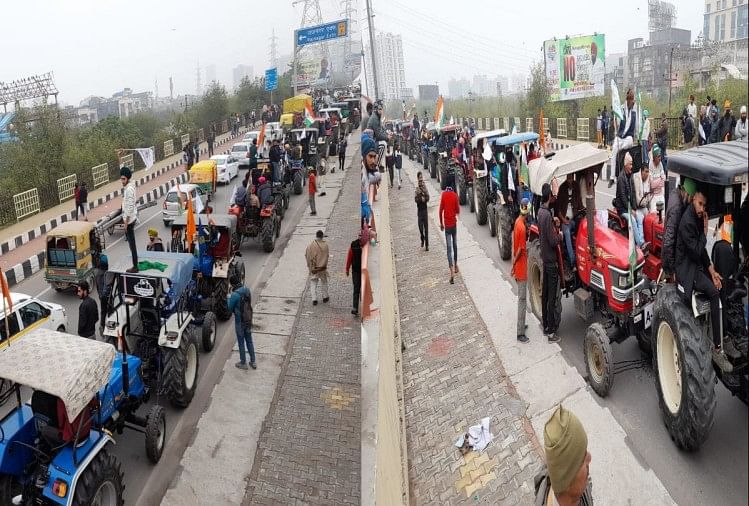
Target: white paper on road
479,436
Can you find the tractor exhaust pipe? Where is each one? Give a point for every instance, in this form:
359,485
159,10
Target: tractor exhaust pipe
590,202
125,369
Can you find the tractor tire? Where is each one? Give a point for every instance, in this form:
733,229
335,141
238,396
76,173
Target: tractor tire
492,217
471,199
298,180
682,363
460,186
432,166
442,173
535,277
504,232
268,235
599,359
208,331
155,433
278,206
180,374
221,304
481,198
100,482
644,342
285,201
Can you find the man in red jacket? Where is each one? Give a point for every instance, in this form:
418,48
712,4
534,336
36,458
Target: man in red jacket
448,212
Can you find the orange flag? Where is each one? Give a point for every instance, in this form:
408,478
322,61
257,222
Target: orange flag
261,138
6,292
191,229
542,136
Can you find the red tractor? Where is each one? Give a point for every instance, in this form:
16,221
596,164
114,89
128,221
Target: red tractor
604,283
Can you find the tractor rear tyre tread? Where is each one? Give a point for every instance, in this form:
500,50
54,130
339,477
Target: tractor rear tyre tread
596,339
492,218
471,199
462,189
504,232
298,180
268,235
535,277
482,200
691,425
155,432
173,377
103,468
442,173
209,330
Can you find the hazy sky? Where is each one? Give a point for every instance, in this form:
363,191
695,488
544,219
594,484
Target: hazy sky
97,47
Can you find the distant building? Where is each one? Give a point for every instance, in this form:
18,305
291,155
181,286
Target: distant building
725,20
616,69
391,74
429,92
648,63
242,71
458,88
517,84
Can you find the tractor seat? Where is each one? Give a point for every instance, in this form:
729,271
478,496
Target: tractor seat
52,420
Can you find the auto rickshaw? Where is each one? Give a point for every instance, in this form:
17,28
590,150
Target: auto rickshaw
74,249
205,174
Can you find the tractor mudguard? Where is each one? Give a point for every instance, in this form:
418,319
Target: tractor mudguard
172,326
110,395
18,426
266,211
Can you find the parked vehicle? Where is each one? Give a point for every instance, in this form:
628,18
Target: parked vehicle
73,251
30,313
51,450
227,166
480,191
175,201
250,136
241,151
204,174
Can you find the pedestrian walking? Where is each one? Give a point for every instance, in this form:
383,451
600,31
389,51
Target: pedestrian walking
605,119
88,313
189,155
353,263
240,304
598,129
196,147
211,140
421,198
565,480
342,145
104,282
448,212
321,174
550,236
398,164
129,213
317,262
520,266
390,164
312,189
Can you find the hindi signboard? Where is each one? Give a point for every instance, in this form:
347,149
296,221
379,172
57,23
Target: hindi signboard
575,67
321,33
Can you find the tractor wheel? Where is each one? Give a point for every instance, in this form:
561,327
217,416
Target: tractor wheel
471,199
279,207
180,375
208,331
285,201
535,277
442,173
504,232
155,433
100,483
644,342
268,235
298,180
492,217
221,306
462,188
432,166
599,359
481,199
9,488
683,368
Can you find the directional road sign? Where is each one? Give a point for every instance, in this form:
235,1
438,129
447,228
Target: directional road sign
320,33
271,79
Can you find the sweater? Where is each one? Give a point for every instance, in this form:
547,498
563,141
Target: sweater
449,209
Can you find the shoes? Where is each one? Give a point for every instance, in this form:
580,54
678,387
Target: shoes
132,269
422,243
241,365
611,183
325,300
553,338
721,360
313,214
399,187
253,365
314,302
452,281
730,349
427,248
323,194
523,338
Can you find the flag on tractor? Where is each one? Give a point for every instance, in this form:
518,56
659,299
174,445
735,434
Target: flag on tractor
191,228
8,302
309,116
616,102
439,113
541,134
261,138
632,248
639,116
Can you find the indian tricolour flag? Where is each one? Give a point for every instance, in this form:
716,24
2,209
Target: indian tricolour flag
309,116
439,113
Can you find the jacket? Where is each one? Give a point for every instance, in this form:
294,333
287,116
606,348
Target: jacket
691,254
353,259
673,216
726,125
421,197
265,194
317,256
624,193
88,315
375,124
234,306
449,209
706,126
548,235
275,154
632,124
741,132
714,131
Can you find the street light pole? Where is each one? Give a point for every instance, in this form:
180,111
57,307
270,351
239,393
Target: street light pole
670,78
370,23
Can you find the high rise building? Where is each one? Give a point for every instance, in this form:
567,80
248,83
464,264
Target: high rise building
390,67
210,74
458,88
242,71
725,20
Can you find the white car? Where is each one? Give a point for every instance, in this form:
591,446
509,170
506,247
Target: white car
227,166
175,201
30,313
241,151
251,136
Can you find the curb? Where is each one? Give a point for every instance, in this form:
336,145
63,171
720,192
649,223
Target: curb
22,239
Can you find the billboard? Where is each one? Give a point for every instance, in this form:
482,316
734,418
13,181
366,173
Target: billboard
575,67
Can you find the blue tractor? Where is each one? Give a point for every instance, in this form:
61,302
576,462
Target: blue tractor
51,449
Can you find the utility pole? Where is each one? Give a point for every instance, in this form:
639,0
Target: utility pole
348,12
372,49
670,78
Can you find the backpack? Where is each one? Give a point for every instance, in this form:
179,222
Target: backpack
245,308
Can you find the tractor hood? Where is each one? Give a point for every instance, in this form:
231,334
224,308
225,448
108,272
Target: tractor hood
610,246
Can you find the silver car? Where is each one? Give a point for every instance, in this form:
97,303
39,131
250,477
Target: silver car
175,202
241,151
227,167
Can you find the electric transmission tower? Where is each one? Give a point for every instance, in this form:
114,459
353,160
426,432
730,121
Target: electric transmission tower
198,84
348,11
312,16
273,53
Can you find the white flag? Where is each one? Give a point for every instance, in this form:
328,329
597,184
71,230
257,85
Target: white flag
147,155
198,205
702,133
510,182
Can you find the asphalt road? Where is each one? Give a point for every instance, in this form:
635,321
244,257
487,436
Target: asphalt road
717,473
145,483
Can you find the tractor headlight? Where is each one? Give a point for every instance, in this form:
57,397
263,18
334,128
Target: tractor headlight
624,281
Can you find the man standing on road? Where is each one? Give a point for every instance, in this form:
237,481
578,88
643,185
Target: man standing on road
448,212
550,236
421,198
82,199
238,300
741,132
317,262
520,265
275,161
342,145
565,480
129,213
88,313
353,263
211,140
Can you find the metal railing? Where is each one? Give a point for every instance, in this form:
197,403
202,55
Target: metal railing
127,161
561,128
26,203
528,124
66,187
583,129
100,174
506,123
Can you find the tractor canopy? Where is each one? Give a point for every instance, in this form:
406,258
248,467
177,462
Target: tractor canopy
69,367
571,160
493,134
512,139
720,164
177,270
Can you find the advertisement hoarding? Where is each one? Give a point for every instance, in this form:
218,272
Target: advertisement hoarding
575,67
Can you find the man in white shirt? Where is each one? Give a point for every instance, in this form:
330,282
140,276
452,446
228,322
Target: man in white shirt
129,213
645,136
692,108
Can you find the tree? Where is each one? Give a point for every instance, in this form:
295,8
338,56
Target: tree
213,108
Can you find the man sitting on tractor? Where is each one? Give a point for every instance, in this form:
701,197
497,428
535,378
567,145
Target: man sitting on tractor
265,192
694,271
678,201
625,204
568,192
